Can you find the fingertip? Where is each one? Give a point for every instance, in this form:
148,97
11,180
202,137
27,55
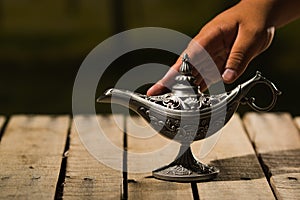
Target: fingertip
156,89
151,91
229,75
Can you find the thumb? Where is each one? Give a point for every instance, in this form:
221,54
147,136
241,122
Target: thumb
242,52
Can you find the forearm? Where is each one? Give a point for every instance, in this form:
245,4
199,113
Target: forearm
286,11
278,12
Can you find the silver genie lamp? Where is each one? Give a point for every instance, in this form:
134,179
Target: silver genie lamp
187,115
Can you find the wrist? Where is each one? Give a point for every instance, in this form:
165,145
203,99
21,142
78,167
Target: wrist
264,9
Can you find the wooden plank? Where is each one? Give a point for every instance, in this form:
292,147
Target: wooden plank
277,142
143,140
241,176
30,156
86,177
2,120
297,121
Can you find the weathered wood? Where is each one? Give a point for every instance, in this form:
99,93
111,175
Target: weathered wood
143,140
30,156
297,121
241,176
277,141
86,177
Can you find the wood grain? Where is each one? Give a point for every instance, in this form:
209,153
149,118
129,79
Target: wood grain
86,177
32,147
30,156
143,140
241,176
277,142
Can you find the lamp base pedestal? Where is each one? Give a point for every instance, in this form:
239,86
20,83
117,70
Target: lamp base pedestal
186,168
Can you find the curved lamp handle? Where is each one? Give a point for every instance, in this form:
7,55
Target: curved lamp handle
251,100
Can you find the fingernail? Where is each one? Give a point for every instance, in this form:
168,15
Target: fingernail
229,75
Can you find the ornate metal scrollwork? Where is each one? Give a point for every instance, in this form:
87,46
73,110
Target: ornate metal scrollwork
187,115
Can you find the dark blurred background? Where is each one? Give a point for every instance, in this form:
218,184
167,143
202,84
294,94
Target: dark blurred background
42,44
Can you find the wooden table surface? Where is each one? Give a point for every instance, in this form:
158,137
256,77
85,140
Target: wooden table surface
42,157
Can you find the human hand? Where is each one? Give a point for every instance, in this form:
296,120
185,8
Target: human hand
229,42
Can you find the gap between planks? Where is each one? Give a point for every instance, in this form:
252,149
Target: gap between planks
30,156
3,124
235,182
150,153
277,142
154,188
86,175
241,176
